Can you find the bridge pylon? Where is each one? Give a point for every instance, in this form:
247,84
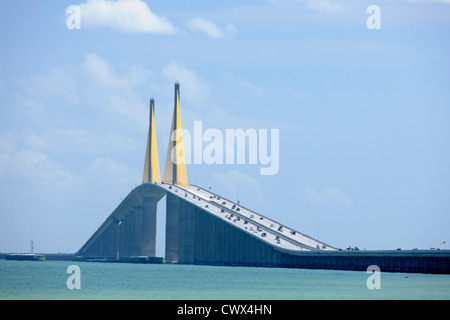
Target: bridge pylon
175,170
152,172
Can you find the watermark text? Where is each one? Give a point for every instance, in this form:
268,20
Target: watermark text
236,146
374,20
374,280
74,280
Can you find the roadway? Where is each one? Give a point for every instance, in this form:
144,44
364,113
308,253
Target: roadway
260,226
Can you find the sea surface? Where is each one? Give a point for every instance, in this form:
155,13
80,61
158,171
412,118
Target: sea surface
48,280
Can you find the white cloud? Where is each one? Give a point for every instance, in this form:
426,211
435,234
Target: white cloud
125,15
194,89
41,98
22,161
210,28
23,158
113,91
329,194
76,141
30,107
109,173
36,142
98,70
57,109
6,142
198,94
231,30
48,98
55,85
37,168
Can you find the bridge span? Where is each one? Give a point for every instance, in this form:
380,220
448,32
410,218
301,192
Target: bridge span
205,228
196,218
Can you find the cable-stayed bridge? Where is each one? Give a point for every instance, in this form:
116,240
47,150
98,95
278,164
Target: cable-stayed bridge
205,228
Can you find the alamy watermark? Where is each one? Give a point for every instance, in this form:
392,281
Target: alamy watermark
374,280
374,20
73,20
73,14
235,146
74,280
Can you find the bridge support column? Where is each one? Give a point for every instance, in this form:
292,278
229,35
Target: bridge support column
130,237
124,241
148,235
173,205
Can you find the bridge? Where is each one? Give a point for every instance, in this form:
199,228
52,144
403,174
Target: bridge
205,228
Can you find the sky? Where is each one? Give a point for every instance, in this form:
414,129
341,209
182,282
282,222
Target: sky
362,113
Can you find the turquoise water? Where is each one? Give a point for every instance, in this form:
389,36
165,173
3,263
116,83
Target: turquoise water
47,280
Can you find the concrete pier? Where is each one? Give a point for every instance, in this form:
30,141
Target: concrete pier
172,227
131,229
148,228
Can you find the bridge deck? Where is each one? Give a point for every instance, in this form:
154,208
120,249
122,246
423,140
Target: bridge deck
268,230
